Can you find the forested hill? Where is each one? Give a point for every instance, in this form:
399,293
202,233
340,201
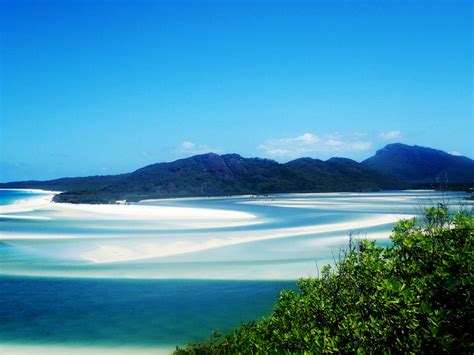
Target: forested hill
218,175
394,167
420,165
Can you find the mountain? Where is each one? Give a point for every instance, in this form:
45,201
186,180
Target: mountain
340,174
393,167
218,175
421,165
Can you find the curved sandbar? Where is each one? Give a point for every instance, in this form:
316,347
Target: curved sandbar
209,218
107,253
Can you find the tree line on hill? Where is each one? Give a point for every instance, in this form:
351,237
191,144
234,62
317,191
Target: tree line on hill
396,166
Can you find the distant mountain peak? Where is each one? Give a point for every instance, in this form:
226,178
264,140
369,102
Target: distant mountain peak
307,160
232,155
406,147
209,155
417,164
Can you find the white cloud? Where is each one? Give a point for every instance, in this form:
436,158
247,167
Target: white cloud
360,145
284,147
359,134
189,147
389,135
455,153
309,143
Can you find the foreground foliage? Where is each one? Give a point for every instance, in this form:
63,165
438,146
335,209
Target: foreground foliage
415,296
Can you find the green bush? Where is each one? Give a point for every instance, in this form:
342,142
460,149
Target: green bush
412,297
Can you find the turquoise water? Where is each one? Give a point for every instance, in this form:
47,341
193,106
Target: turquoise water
58,285
277,244
10,196
127,312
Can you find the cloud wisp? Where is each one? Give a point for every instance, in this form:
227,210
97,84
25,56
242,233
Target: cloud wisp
309,143
189,147
390,135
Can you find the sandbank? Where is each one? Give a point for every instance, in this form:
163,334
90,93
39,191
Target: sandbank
112,211
109,253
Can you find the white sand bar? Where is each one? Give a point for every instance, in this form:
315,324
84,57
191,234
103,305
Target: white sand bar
114,252
119,212
150,212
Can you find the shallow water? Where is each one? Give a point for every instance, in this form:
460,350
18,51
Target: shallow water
10,196
72,279
288,234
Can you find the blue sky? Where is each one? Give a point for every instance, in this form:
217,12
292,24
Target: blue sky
101,87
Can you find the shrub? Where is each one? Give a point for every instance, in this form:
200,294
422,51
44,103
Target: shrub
414,296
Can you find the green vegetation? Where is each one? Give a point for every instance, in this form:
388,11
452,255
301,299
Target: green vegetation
397,166
218,175
412,297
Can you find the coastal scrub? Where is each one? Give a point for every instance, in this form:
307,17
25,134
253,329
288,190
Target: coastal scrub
414,296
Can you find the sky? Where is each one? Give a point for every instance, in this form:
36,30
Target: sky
102,87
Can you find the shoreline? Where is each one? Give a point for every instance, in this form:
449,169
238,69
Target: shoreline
269,195
122,212
34,191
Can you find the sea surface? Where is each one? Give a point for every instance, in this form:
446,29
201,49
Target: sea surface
83,281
